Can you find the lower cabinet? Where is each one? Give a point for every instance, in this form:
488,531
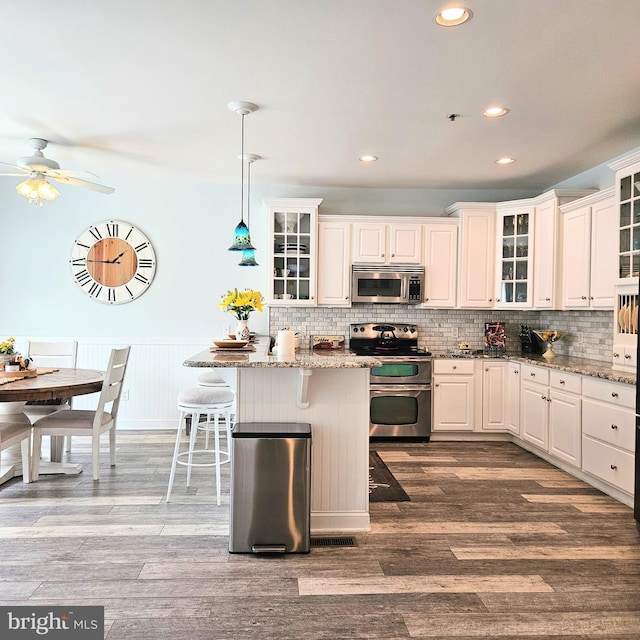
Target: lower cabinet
565,417
513,398
534,406
453,395
608,432
494,392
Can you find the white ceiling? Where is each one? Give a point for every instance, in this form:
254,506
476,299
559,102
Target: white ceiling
139,88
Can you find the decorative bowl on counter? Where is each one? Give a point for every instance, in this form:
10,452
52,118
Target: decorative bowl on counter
549,336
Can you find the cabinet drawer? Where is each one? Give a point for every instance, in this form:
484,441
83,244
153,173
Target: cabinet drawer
570,382
622,395
452,367
530,373
608,463
613,425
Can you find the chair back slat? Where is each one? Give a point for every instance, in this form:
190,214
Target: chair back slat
112,385
53,354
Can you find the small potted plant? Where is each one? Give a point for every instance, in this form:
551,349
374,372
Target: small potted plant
7,352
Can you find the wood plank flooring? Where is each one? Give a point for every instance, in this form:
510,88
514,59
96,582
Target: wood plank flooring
495,543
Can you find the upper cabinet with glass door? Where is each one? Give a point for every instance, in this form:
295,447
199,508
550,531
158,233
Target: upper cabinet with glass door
513,267
628,196
293,249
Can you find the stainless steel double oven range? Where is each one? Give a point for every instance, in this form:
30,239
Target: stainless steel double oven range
400,389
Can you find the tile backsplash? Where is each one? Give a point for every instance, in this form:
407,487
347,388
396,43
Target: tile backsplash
589,334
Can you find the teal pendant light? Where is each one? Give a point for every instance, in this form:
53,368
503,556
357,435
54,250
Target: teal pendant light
249,254
241,236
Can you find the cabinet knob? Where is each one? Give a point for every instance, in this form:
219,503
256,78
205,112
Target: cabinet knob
346,297
437,384
516,371
382,255
590,297
583,297
533,375
487,369
454,366
548,399
627,356
614,427
613,467
544,397
547,299
497,299
616,355
562,382
614,394
393,255
491,300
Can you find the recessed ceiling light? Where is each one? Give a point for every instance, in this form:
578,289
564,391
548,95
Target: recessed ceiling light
453,16
367,158
495,112
505,161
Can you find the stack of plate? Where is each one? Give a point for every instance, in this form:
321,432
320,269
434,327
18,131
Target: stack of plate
291,246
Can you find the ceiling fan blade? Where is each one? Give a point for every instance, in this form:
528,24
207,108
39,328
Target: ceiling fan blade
62,173
14,166
77,182
16,175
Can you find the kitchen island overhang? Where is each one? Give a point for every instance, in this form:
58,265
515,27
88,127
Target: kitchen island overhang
331,392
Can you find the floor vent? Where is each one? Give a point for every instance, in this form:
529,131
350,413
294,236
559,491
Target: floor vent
342,541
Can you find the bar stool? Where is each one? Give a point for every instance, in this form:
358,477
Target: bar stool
211,402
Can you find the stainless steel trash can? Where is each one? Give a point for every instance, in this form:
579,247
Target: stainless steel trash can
270,501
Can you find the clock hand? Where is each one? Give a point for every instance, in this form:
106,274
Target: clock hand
114,261
103,261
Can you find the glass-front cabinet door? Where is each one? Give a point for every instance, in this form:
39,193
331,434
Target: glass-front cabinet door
629,222
515,243
293,250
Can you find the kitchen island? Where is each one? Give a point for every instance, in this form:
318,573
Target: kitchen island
330,392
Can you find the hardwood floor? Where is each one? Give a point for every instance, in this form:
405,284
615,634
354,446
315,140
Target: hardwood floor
495,543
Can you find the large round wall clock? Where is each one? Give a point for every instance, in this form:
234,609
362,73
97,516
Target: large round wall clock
113,262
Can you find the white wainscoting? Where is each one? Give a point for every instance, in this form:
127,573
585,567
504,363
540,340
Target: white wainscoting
155,375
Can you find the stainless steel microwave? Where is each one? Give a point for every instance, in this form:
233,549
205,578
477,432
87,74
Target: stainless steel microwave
399,284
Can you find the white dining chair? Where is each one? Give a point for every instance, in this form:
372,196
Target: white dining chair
88,422
51,354
12,433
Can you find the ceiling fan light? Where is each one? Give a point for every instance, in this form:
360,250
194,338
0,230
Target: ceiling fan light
36,190
248,258
241,238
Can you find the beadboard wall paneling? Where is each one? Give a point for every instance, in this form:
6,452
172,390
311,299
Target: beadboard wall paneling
155,375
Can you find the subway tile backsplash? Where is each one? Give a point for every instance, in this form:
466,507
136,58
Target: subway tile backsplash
589,334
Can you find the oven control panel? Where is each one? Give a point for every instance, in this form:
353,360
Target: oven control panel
377,330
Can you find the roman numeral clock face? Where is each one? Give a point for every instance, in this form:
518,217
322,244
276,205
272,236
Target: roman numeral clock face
113,262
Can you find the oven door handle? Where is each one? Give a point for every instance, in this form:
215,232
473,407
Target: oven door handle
399,389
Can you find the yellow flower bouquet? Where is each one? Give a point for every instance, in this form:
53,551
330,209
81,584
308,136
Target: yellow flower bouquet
241,303
7,347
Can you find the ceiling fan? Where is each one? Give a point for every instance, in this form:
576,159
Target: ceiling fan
38,169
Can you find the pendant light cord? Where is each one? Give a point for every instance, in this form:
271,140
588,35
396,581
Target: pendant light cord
248,190
242,172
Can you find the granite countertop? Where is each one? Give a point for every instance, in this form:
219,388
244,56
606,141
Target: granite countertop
582,366
303,359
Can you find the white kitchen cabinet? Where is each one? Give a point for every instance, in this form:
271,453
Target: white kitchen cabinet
608,432
476,253
453,395
387,243
494,394
534,410
513,398
545,264
292,250
589,251
334,262
440,258
628,204
514,225
565,417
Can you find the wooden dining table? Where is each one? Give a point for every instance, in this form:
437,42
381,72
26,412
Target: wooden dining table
56,384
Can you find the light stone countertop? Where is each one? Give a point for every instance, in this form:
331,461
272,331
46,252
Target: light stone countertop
303,359
582,366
